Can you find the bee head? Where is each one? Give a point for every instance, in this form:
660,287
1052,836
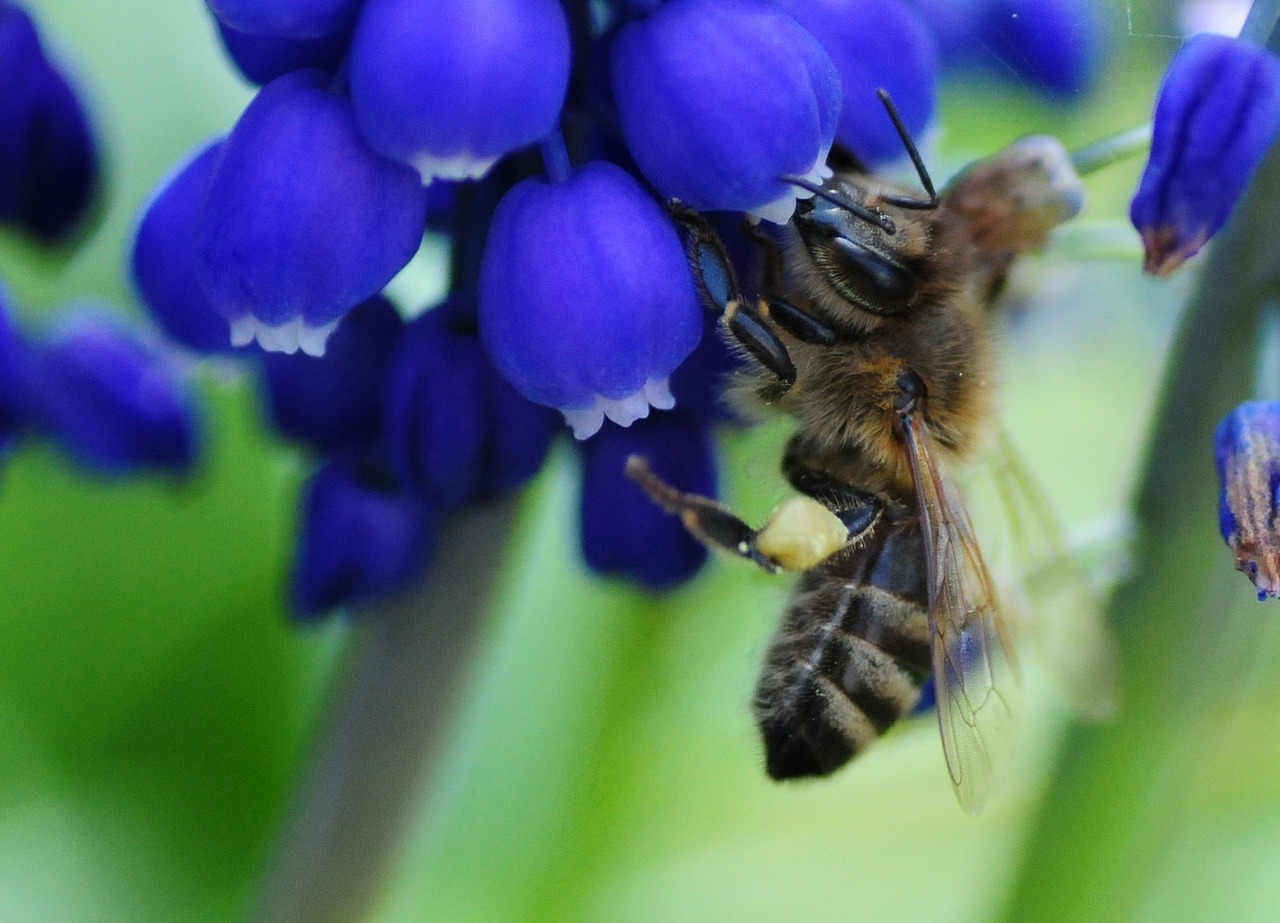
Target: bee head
852,249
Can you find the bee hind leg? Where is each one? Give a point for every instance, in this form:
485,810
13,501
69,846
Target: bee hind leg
801,533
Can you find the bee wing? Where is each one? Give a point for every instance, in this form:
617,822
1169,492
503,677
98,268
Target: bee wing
1049,597
974,672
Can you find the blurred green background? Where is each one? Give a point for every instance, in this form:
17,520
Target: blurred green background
599,760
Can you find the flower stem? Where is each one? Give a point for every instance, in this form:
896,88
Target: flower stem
1117,791
387,717
1111,150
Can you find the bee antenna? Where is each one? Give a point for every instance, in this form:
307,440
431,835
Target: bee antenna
879,219
914,153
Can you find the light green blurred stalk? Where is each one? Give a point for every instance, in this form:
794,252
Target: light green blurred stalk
1118,788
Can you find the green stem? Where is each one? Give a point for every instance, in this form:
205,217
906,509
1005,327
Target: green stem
388,715
1118,788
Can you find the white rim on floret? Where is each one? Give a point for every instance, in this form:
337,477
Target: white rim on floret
293,335
586,421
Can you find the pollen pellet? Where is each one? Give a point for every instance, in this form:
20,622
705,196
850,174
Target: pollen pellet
801,533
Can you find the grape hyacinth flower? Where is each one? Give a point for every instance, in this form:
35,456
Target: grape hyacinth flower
903,59
13,412
361,536
623,532
336,402
586,301
1248,455
1217,115
163,259
720,98
114,403
261,58
451,86
302,221
48,157
298,19
457,432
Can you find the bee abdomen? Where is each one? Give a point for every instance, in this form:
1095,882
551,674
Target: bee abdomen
848,661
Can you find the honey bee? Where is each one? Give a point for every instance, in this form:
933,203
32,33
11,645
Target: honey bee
873,332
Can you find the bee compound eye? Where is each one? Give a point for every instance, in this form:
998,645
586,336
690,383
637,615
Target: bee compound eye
887,288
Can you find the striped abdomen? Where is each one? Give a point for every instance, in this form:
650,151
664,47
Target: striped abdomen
850,656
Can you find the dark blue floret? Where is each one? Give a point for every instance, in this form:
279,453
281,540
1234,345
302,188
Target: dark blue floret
1247,449
263,58
164,260
335,401
452,85
114,403
875,44
718,98
302,221
48,159
586,300
13,403
1217,115
624,533
297,19
360,536
457,431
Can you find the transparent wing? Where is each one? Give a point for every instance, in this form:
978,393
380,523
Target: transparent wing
974,671
1045,591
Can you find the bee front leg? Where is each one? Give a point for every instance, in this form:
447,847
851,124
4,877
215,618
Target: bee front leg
797,322
748,323
801,533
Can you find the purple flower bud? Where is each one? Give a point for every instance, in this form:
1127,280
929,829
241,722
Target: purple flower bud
360,537
300,19
452,85
302,221
1247,443
262,58
13,403
1217,115
902,58
456,430
48,160
164,260
336,401
624,532
1050,45
586,300
112,402
718,98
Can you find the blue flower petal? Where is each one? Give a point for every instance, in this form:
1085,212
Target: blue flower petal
624,533
296,19
262,58
336,401
1247,446
902,58
360,537
1217,115
586,300
452,85
456,431
1054,46
48,158
302,221
717,98
110,401
164,260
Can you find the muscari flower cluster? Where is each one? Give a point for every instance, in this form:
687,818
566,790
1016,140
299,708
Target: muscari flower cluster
1217,116
114,399
382,119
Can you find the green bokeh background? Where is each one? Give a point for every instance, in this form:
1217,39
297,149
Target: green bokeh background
600,761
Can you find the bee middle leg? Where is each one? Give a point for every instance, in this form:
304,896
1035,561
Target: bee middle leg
801,533
749,323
